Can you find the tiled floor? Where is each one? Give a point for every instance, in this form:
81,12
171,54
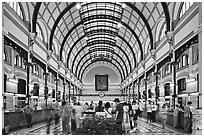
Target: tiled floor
143,128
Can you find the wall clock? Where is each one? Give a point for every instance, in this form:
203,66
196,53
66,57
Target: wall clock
101,94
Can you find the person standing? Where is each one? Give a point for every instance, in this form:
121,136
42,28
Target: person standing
149,111
28,113
66,112
78,113
154,109
126,117
130,115
119,114
99,108
141,107
56,113
188,118
163,112
175,114
108,110
135,108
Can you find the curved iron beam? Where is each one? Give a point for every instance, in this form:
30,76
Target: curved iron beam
96,61
117,46
109,44
102,2
58,20
100,10
35,15
144,20
78,63
167,15
132,31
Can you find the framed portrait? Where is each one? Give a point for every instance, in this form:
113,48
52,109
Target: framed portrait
101,82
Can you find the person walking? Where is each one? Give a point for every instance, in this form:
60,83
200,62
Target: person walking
131,115
175,114
66,112
149,112
119,114
188,118
126,117
163,113
154,109
78,114
135,108
56,113
28,114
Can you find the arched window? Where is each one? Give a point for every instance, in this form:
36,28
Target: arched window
185,7
5,56
162,33
16,7
16,60
21,86
181,85
19,61
179,63
195,53
39,32
35,69
167,89
167,69
36,89
185,60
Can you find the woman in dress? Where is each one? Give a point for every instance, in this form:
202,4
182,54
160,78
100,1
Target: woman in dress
126,118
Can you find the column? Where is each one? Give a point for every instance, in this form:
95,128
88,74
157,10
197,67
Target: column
170,38
133,90
69,86
28,63
138,89
64,83
57,87
129,92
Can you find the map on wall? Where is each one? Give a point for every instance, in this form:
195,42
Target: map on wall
101,82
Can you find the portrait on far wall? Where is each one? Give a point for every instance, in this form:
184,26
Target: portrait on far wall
101,82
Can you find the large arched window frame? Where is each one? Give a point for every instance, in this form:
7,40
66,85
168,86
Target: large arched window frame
35,69
195,53
19,61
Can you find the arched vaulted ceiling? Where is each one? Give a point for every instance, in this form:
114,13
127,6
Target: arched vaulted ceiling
96,32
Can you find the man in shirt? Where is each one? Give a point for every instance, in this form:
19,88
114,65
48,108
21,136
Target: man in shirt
119,113
188,118
28,113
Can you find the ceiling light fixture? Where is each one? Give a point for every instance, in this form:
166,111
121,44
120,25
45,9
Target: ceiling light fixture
116,38
119,25
123,5
78,6
86,38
